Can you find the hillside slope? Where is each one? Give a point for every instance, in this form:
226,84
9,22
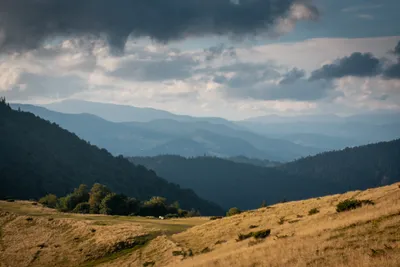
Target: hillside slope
245,186
365,237
232,184
359,167
38,157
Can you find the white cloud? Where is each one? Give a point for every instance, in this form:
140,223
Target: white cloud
160,76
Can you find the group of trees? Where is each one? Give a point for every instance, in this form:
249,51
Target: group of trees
101,200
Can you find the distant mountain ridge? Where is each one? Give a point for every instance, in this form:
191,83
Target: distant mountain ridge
166,136
38,157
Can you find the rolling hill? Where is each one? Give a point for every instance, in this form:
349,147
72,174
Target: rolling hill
38,157
245,186
365,237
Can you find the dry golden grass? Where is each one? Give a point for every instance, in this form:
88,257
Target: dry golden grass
37,236
368,236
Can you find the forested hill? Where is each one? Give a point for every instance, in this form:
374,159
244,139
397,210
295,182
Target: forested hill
236,184
38,157
358,168
230,183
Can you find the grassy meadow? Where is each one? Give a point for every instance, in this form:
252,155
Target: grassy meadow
303,233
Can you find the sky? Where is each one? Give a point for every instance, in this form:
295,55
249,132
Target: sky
226,58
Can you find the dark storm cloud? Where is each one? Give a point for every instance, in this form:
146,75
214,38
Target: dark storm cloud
25,24
396,50
357,65
393,71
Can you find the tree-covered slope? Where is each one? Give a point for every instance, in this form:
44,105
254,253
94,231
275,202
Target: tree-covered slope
232,184
38,157
355,168
245,186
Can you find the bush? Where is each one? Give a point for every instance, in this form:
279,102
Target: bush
313,211
233,211
351,204
215,218
257,235
49,201
82,208
262,234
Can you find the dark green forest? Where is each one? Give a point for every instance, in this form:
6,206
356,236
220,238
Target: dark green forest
246,186
360,167
38,157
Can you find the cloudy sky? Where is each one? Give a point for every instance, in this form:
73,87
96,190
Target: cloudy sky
227,58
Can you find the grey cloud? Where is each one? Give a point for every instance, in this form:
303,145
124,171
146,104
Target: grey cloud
292,76
264,82
40,85
175,68
301,90
218,51
243,74
26,24
357,65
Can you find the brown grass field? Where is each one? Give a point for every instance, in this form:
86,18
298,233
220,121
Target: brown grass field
31,235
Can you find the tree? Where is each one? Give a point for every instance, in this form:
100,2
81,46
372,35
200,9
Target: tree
156,206
83,208
49,200
116,204
97,194
81,194
233,211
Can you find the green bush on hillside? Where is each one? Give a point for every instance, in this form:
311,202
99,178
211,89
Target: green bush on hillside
49,200
233,211
351,204
313,211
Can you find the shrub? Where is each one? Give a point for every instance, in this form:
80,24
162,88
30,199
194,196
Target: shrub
205,250
233,211
262,234
253,226
49,201
257,235
215,218
82,208
242,237
281,220
313,211
351,204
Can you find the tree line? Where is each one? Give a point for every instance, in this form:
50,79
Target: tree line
101,200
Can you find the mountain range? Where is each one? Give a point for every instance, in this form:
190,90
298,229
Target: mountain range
166,136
